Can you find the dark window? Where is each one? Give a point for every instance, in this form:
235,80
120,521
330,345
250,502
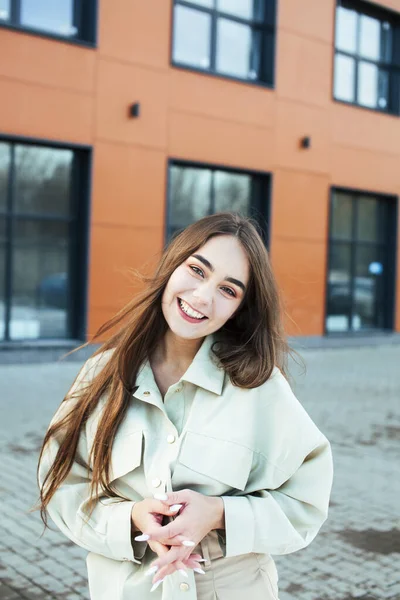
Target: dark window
196,191
360,287
41,207
233,38
367,56
70,19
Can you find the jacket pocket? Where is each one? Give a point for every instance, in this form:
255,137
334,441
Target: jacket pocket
126,454
222,460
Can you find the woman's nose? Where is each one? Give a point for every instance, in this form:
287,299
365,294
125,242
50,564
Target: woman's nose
203,294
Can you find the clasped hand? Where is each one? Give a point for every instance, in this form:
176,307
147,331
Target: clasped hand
196,515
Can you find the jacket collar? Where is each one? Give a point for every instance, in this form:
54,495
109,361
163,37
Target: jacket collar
203,372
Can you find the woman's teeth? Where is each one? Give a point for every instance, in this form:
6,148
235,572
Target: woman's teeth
189,311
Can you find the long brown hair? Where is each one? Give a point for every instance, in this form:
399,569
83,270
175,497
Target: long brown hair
248,347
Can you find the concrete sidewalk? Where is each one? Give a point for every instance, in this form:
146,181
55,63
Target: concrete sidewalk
353,396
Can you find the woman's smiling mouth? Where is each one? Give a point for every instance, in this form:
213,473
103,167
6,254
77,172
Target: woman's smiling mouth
188,313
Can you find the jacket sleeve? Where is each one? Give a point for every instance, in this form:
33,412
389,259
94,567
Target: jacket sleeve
286,519
108,530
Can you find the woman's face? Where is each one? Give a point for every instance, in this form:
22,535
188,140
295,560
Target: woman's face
205,291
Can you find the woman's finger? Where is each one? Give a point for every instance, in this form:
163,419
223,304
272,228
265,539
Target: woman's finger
158,548
174,554
163,508
163,572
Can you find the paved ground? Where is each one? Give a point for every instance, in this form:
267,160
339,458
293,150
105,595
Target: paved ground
353,396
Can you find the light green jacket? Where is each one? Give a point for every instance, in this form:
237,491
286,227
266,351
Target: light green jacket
256,448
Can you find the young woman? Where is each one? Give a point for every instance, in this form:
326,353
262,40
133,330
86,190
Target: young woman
180,458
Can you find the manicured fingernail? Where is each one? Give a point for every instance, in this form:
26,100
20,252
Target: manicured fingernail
199,571
161,496
183,572
142,538
188,543
151,571
157,583
175,507
201,560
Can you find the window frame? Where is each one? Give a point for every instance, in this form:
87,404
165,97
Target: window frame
389,307
363,7
79,237
261,213
87,29
268,69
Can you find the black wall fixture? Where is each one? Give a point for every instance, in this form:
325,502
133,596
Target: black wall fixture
134,110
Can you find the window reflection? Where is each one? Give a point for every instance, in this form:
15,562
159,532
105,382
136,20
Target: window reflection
346,30
2,277
234,48
232,192
35,240
246,9
344,78
357,278
5,150
56,17
375,39
42,180
195,192
4,10
367,84
342,216
190,195
192,30
40,265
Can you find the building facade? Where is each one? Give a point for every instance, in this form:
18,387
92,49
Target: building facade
122,121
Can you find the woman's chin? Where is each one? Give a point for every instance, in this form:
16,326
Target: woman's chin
187,331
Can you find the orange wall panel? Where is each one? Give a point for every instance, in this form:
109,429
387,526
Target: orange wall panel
220,98
366,170
35,59
303,74
365,129
120,85
294,121
44,112
136,31
129,186
221,142
114,251
300,205
299,267
311,18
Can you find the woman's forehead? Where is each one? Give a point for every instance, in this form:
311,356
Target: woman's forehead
226,254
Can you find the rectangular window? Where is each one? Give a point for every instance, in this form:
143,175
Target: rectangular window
232,38
196,191
41,242
362,249
69,19
367,56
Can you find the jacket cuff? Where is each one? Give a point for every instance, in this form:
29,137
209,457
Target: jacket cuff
239,525
119,532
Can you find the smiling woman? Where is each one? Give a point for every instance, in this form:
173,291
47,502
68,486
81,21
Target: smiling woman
180,452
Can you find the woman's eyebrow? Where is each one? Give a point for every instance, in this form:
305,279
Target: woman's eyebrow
209,266
236,282
204,261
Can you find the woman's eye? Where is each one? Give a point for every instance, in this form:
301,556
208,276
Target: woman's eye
196,270
229,291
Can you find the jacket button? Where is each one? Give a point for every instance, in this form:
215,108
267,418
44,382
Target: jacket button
171,439
184,587
156,482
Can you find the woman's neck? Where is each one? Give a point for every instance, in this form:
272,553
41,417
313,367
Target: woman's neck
175,352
